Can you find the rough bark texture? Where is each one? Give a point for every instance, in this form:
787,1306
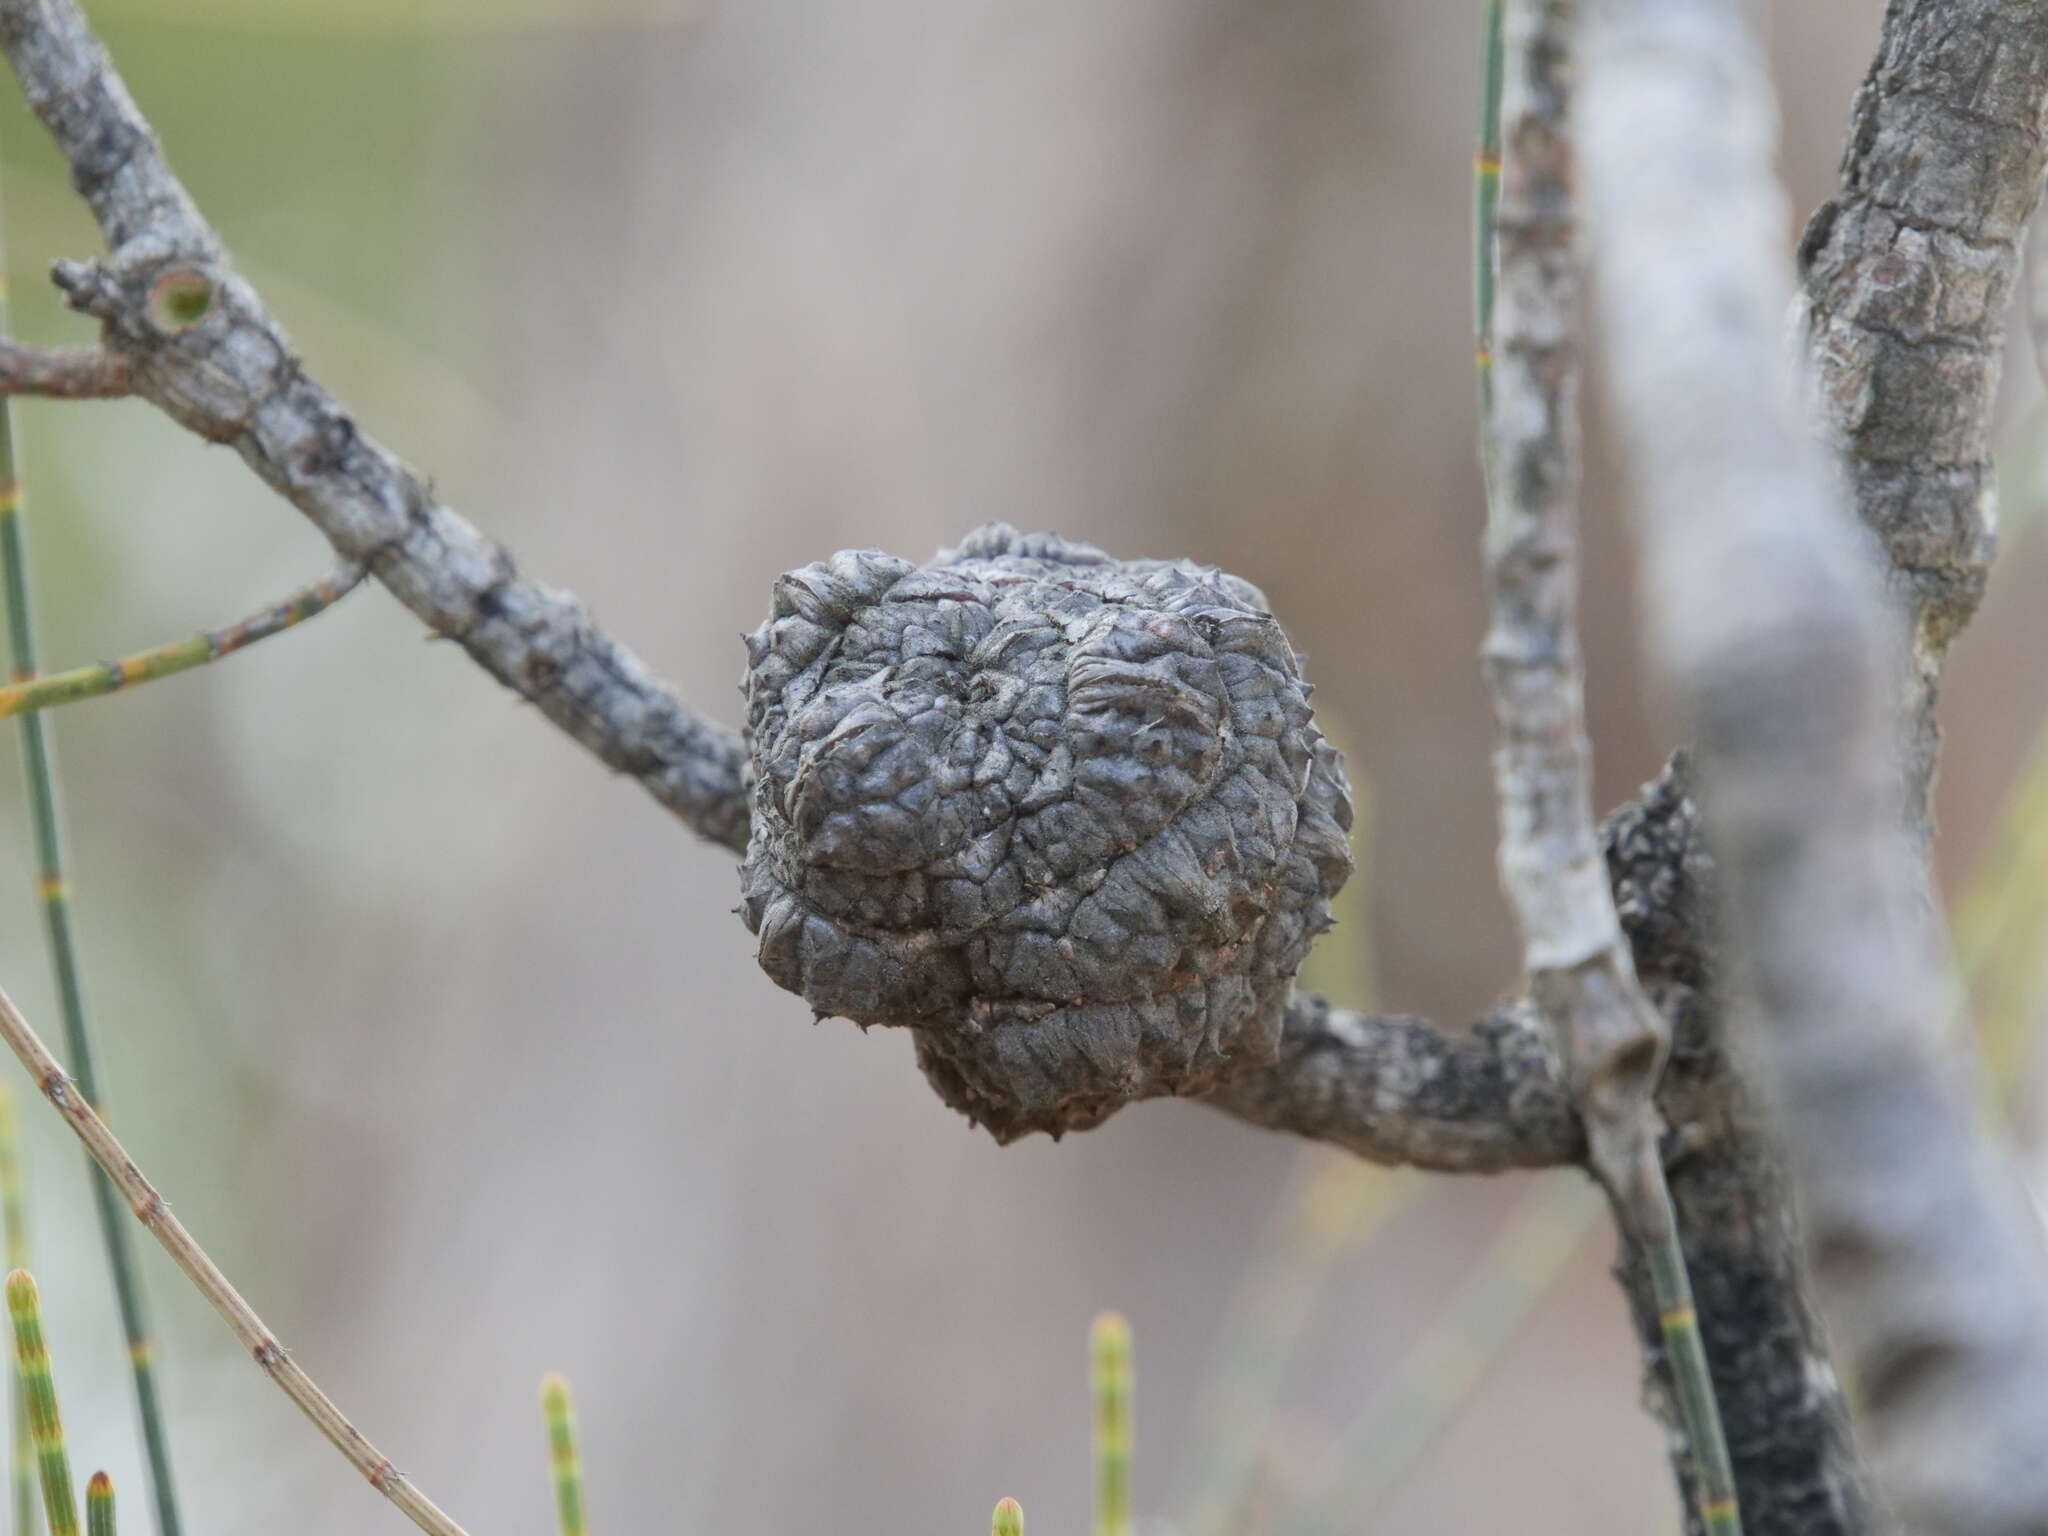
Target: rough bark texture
1765,610
1908,273
1796,1469
69,373
193,339
1578,965
221,367
1068,818
1400,1090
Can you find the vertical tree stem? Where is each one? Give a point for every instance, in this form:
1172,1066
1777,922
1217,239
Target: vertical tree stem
1580,967
39,768
1485,201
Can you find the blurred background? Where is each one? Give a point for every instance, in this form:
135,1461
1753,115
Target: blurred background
446,1043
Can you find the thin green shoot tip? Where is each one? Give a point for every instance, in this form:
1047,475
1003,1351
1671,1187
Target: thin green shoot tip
1109,1346
1110,1335
46,1426
99,1505
1008,1519
565,1461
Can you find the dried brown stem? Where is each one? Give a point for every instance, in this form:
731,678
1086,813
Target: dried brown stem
151,1210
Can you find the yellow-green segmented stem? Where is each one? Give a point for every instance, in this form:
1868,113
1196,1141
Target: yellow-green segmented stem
1109,1353
14,1218
1686,1351
99,1505
180,655
1008,1520
46,1426
40,770
1486,202
565,1461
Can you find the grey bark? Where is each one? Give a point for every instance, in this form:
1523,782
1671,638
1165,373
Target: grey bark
1782,1409
1764,606
231,376
1400,1090
1067,818
1389,1088
1580,967
1577,962
1908,273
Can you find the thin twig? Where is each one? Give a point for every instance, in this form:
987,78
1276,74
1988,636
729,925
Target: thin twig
1580,968
1765,610
151,1210
40,767
200,345
181,655
62,373
1486,200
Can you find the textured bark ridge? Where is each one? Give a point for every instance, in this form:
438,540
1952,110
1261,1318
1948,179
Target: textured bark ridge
1908,272
1067,817
1781,1406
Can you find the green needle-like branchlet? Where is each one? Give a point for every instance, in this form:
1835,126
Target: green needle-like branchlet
99,1505
177,656
1686,1350
1008,1519
565,1461
14,1219
1486,202
45,1426
40,770
1109,1352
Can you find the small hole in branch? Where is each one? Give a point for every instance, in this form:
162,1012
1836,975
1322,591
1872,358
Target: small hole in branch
180,299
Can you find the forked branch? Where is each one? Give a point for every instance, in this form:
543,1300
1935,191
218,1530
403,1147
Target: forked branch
1580,968
1763,603
195,340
